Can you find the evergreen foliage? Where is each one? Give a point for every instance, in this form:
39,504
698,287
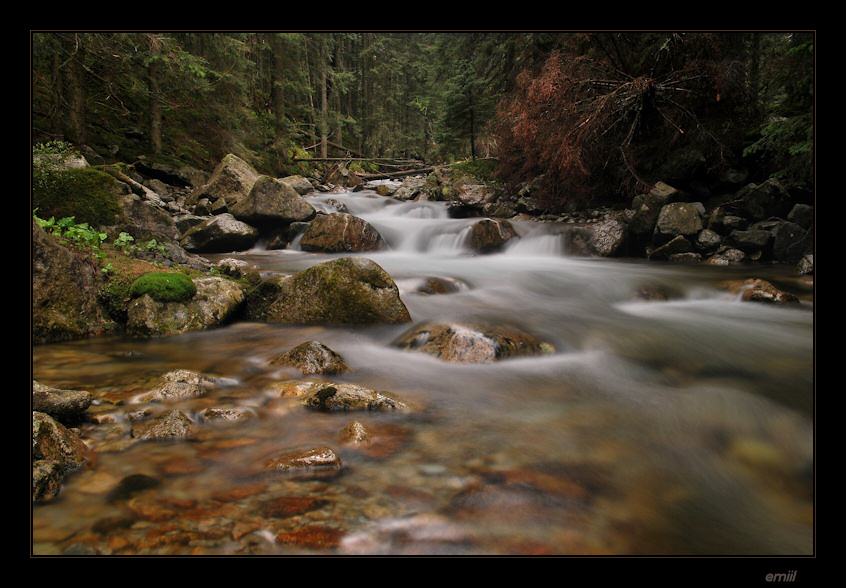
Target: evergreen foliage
593,112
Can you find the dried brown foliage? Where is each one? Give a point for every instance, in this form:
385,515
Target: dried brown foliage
602,110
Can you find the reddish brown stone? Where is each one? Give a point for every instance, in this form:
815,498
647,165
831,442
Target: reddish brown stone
289,506
312,537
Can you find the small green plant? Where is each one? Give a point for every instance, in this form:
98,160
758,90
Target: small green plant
154,246
164,287
123,241
66,228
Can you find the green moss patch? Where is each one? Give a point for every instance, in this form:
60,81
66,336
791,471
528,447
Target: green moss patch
164,287
89,195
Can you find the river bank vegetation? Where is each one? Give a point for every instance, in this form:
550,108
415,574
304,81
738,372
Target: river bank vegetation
596,115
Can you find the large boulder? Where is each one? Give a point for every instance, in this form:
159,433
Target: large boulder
216,301
410,188
231,180
750,240
271,203
472,343
298,183
350,290
219,234
677,219
144,219
341,232
489,235
759,202
473,194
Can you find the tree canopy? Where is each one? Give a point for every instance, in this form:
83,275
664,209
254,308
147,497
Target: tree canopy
595,113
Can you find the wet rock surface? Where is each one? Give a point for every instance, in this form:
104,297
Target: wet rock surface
312,357
472,343
341,232
349,290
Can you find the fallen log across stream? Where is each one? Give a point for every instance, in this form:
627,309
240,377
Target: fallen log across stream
388,175
380,161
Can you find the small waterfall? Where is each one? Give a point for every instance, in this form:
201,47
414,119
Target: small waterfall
537,244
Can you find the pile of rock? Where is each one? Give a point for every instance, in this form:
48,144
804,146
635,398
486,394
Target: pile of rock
757,224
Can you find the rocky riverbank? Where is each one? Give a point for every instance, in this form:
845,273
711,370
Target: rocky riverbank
188,215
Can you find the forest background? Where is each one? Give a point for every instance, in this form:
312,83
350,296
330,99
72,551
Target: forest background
593,113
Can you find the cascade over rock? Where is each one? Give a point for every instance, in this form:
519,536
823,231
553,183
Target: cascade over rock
489,235
339,232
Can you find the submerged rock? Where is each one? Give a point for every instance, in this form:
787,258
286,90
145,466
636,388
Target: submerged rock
472,343
315,460
757,290
350,290
179,384
339,396
173,424
312,357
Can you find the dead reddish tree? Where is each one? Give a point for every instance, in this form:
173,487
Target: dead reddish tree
594,119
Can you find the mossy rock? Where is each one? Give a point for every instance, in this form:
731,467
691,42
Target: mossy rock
89,195
164,287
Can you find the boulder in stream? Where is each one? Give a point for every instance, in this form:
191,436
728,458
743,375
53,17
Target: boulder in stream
221,233
215,302
757,290
488,235
312,357
339,232
173,424
349,290
313,460
472,343
338,396
56,452
271,202
60,404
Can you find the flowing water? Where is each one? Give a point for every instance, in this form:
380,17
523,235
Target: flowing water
682,426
